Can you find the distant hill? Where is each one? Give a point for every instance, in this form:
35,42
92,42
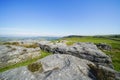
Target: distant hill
3,39
112,37
73,36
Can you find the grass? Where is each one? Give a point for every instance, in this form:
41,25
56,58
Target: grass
89,39
114,53
11,43
24,63
34,45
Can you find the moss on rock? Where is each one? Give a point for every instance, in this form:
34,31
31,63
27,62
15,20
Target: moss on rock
35,67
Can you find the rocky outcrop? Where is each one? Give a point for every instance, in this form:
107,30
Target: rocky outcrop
87,51
60,67
80,61
104,46
10,54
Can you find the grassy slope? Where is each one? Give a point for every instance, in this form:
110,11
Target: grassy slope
114,53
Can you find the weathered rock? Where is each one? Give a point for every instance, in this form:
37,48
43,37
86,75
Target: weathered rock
87,51
10,54
53,47
81,61
104,46
60,67
104,73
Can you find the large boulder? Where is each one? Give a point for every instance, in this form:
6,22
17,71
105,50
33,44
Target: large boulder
87,51
59,67
104,46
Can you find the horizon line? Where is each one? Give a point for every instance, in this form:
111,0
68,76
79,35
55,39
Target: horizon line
54,35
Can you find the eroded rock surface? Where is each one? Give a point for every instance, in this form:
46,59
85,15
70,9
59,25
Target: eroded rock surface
10,54
81,61
60,67
87,51
104,46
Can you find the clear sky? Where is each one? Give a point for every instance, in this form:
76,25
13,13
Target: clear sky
59,17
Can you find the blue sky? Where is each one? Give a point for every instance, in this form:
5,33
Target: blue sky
59,17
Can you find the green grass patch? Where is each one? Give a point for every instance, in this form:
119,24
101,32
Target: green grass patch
115,55
27,62
89,39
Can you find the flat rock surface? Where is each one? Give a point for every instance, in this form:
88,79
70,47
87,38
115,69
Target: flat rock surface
54,67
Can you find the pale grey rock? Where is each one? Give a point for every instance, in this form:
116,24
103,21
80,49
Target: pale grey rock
87,51
60,67
55,67
10,54
90,52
